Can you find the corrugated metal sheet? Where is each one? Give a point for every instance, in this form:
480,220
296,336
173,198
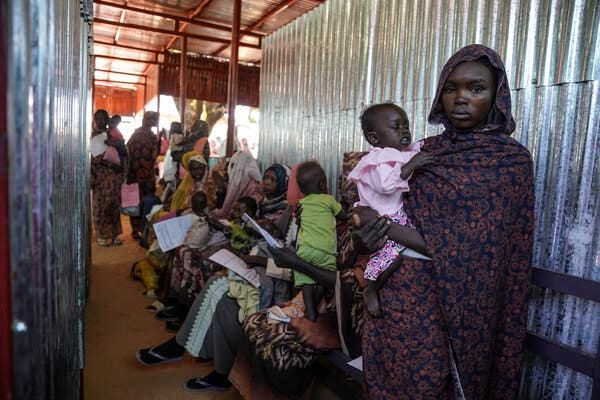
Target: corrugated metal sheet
320,71
48,101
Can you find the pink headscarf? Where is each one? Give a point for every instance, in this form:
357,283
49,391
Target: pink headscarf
244,180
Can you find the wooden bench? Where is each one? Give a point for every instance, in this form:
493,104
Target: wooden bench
348,382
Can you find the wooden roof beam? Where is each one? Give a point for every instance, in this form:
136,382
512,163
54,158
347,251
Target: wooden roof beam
276,10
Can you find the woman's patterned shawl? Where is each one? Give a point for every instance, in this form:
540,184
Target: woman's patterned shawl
474,208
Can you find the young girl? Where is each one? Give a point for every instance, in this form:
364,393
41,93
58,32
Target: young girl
382,178
317,235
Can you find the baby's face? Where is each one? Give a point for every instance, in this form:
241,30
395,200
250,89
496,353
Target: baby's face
391,129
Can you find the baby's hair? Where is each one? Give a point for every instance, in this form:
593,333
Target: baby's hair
250,204
369,116
198,201
101,118
311,178
114,120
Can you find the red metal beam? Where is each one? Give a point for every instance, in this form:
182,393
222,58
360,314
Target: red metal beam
182,25
276,10
232,84
154,52
118,72
120,82
171,33
189,19
126,59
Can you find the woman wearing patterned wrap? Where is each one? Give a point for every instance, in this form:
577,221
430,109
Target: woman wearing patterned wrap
106,180
143,150
453,327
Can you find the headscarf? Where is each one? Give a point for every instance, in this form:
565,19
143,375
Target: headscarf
242,172
182,194
201,144
210,187
474,207
500,118
278,201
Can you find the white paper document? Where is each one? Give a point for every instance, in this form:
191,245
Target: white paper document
171,232
271,241
97,145
356,363
234,263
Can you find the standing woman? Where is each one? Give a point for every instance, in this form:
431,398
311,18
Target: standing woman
453,327
106,180
143,150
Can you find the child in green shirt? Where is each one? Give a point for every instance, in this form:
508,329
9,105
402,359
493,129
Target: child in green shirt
317,243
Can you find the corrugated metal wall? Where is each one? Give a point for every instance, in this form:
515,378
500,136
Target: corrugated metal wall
48,102
319,72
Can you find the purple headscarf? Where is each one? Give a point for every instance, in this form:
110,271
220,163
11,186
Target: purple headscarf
500,119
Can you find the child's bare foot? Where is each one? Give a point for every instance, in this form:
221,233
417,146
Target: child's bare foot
371,299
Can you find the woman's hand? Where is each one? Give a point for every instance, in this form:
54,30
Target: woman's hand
284,256
364,214
373,235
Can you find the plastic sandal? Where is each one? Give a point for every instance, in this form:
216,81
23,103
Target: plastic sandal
149,357
103,242
156,306
117,242
198,385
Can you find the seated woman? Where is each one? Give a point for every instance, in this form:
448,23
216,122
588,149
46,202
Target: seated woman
280,343
243,180
155,259
191,268
212,328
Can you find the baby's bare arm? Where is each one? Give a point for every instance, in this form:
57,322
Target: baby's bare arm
419,160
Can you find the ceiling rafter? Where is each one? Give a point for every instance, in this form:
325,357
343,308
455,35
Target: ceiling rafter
183,25
124,46
126,59
178,19
171,33
108,71
276,10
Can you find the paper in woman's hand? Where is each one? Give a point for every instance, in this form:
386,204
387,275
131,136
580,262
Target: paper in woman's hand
98,145
271,241
234,263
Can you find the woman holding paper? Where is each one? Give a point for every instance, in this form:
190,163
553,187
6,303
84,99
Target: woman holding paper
212,328
106,180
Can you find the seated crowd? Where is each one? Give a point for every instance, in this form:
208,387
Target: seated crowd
442,269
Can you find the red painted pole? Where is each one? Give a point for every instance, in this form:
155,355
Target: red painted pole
232,85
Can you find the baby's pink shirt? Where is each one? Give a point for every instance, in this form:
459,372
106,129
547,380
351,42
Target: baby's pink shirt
377,177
